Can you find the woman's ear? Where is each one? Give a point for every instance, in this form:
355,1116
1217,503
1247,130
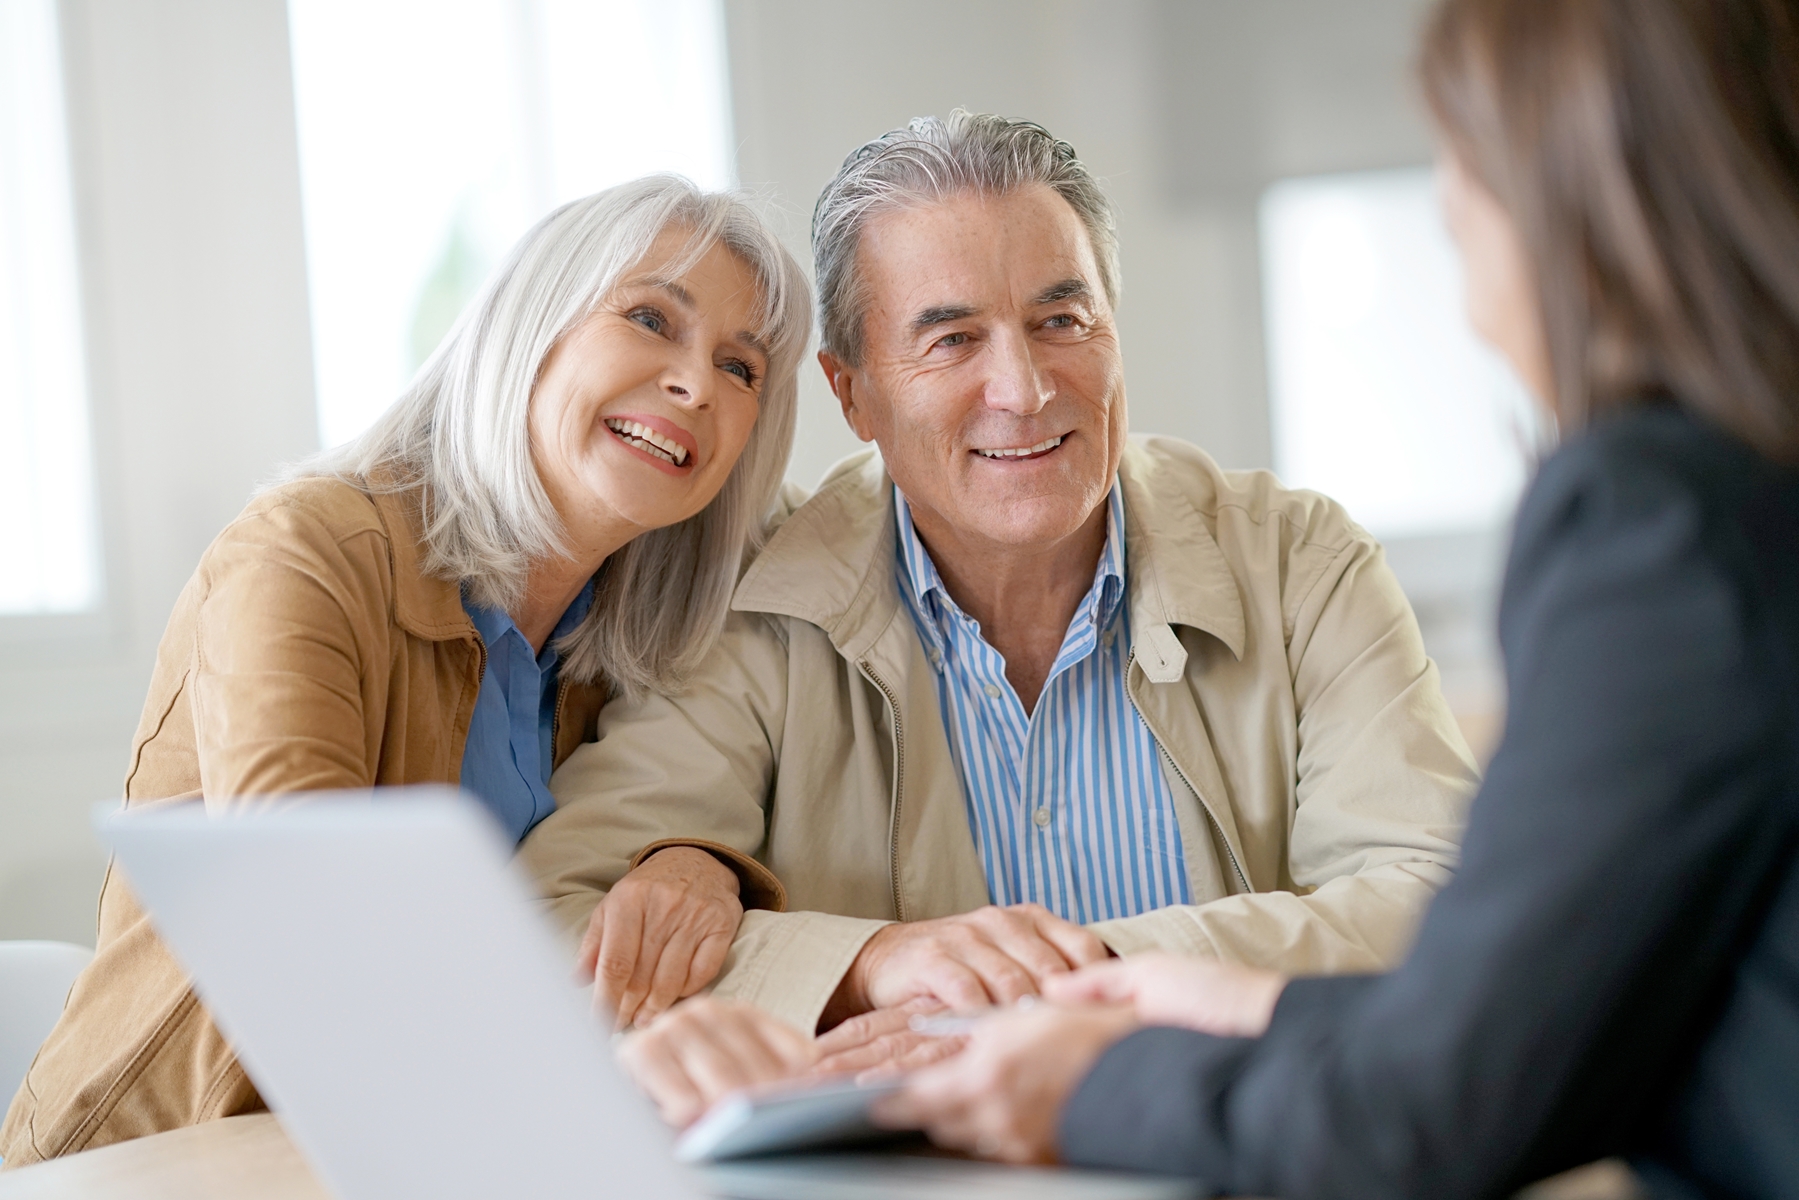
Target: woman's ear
842,379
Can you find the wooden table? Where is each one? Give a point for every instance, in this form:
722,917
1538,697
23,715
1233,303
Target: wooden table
250,1158
238,1158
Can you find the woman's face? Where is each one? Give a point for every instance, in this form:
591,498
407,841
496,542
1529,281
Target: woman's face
641,411
1498,289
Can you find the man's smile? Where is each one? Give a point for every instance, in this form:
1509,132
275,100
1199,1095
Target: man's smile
1022,452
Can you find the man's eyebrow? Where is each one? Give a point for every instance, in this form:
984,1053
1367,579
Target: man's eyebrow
1068,289
941,314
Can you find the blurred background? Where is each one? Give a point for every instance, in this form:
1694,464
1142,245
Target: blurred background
231,229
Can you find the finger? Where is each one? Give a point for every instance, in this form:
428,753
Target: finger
589,951
669,976
1019,936
1078,947
956,984
621,941
651,1062
728,1056
652,943
1102,983
708,960
913,1056
1003,977
858,1031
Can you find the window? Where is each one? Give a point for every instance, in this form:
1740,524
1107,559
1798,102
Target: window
1382,396
48,537
434,132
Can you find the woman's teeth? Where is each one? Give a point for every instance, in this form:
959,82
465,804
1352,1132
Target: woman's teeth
650,442
1039,448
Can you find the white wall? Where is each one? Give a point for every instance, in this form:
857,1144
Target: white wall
184,163
1187,109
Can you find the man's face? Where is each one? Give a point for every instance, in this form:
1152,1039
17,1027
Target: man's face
991,377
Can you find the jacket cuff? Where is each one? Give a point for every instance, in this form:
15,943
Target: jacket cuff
789,964
757,885
1170,929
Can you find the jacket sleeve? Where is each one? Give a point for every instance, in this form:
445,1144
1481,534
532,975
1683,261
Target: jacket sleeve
1632,826
292,620
1382,784
665,767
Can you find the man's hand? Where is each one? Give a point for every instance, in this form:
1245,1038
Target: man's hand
1226,999
662,934
971,961
704,1049
1002,1095
882,1043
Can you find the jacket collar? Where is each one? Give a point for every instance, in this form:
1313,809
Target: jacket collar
832,562
424,605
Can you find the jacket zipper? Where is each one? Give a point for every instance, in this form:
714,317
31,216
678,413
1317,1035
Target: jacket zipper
1197,794
556,718
899,776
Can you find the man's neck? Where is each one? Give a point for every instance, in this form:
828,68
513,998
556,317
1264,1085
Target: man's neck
1023,596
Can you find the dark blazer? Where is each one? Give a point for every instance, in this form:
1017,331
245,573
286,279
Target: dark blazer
1615,968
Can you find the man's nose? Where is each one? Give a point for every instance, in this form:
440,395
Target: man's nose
1014,383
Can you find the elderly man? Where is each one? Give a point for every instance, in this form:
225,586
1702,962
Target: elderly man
1019,690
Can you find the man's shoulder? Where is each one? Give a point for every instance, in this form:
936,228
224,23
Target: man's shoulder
1171,475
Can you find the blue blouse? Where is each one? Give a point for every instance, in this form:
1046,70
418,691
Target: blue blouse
507,761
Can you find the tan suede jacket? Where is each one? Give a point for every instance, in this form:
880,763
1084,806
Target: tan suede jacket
1319,780
308,651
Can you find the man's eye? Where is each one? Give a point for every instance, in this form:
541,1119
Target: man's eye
1061,321
649,318
952,339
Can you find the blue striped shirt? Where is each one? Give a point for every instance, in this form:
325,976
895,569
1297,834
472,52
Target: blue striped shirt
1068,805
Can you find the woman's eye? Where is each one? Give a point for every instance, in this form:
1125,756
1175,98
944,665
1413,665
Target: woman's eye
649,318
742,370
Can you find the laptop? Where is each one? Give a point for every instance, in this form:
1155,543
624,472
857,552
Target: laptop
391,987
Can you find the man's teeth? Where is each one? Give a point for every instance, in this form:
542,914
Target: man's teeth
649,441
1039,448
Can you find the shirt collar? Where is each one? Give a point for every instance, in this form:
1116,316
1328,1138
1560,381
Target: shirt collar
925,587
494,624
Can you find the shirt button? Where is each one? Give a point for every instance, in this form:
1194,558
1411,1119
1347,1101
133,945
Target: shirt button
1041,817
992,690
1106,641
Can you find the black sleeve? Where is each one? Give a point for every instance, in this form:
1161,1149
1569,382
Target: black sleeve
1630,829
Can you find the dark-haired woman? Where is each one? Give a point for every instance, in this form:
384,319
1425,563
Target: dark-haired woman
1615,970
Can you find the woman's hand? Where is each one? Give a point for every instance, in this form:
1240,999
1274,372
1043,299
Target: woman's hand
704,1049
660,935
883,1043
1222,998
1002,1095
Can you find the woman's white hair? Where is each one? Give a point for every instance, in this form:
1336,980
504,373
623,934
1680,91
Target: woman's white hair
458,440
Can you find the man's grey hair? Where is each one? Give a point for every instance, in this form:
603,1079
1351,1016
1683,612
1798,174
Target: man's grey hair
458,441
934,159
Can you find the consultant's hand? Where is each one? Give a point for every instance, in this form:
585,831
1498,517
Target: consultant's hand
662,934
1002,1095
969,961
703,1049
883,1043
1222,998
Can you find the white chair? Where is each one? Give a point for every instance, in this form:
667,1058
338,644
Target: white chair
34,982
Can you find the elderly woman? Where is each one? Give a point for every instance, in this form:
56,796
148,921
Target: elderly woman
556,509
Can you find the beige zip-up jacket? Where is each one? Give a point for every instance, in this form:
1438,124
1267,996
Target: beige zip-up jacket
1319,780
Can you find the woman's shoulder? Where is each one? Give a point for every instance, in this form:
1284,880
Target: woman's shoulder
1655,465
319,507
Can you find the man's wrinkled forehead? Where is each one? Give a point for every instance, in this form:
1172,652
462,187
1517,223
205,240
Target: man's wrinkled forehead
936,262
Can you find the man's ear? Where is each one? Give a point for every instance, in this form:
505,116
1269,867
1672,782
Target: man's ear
842,379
